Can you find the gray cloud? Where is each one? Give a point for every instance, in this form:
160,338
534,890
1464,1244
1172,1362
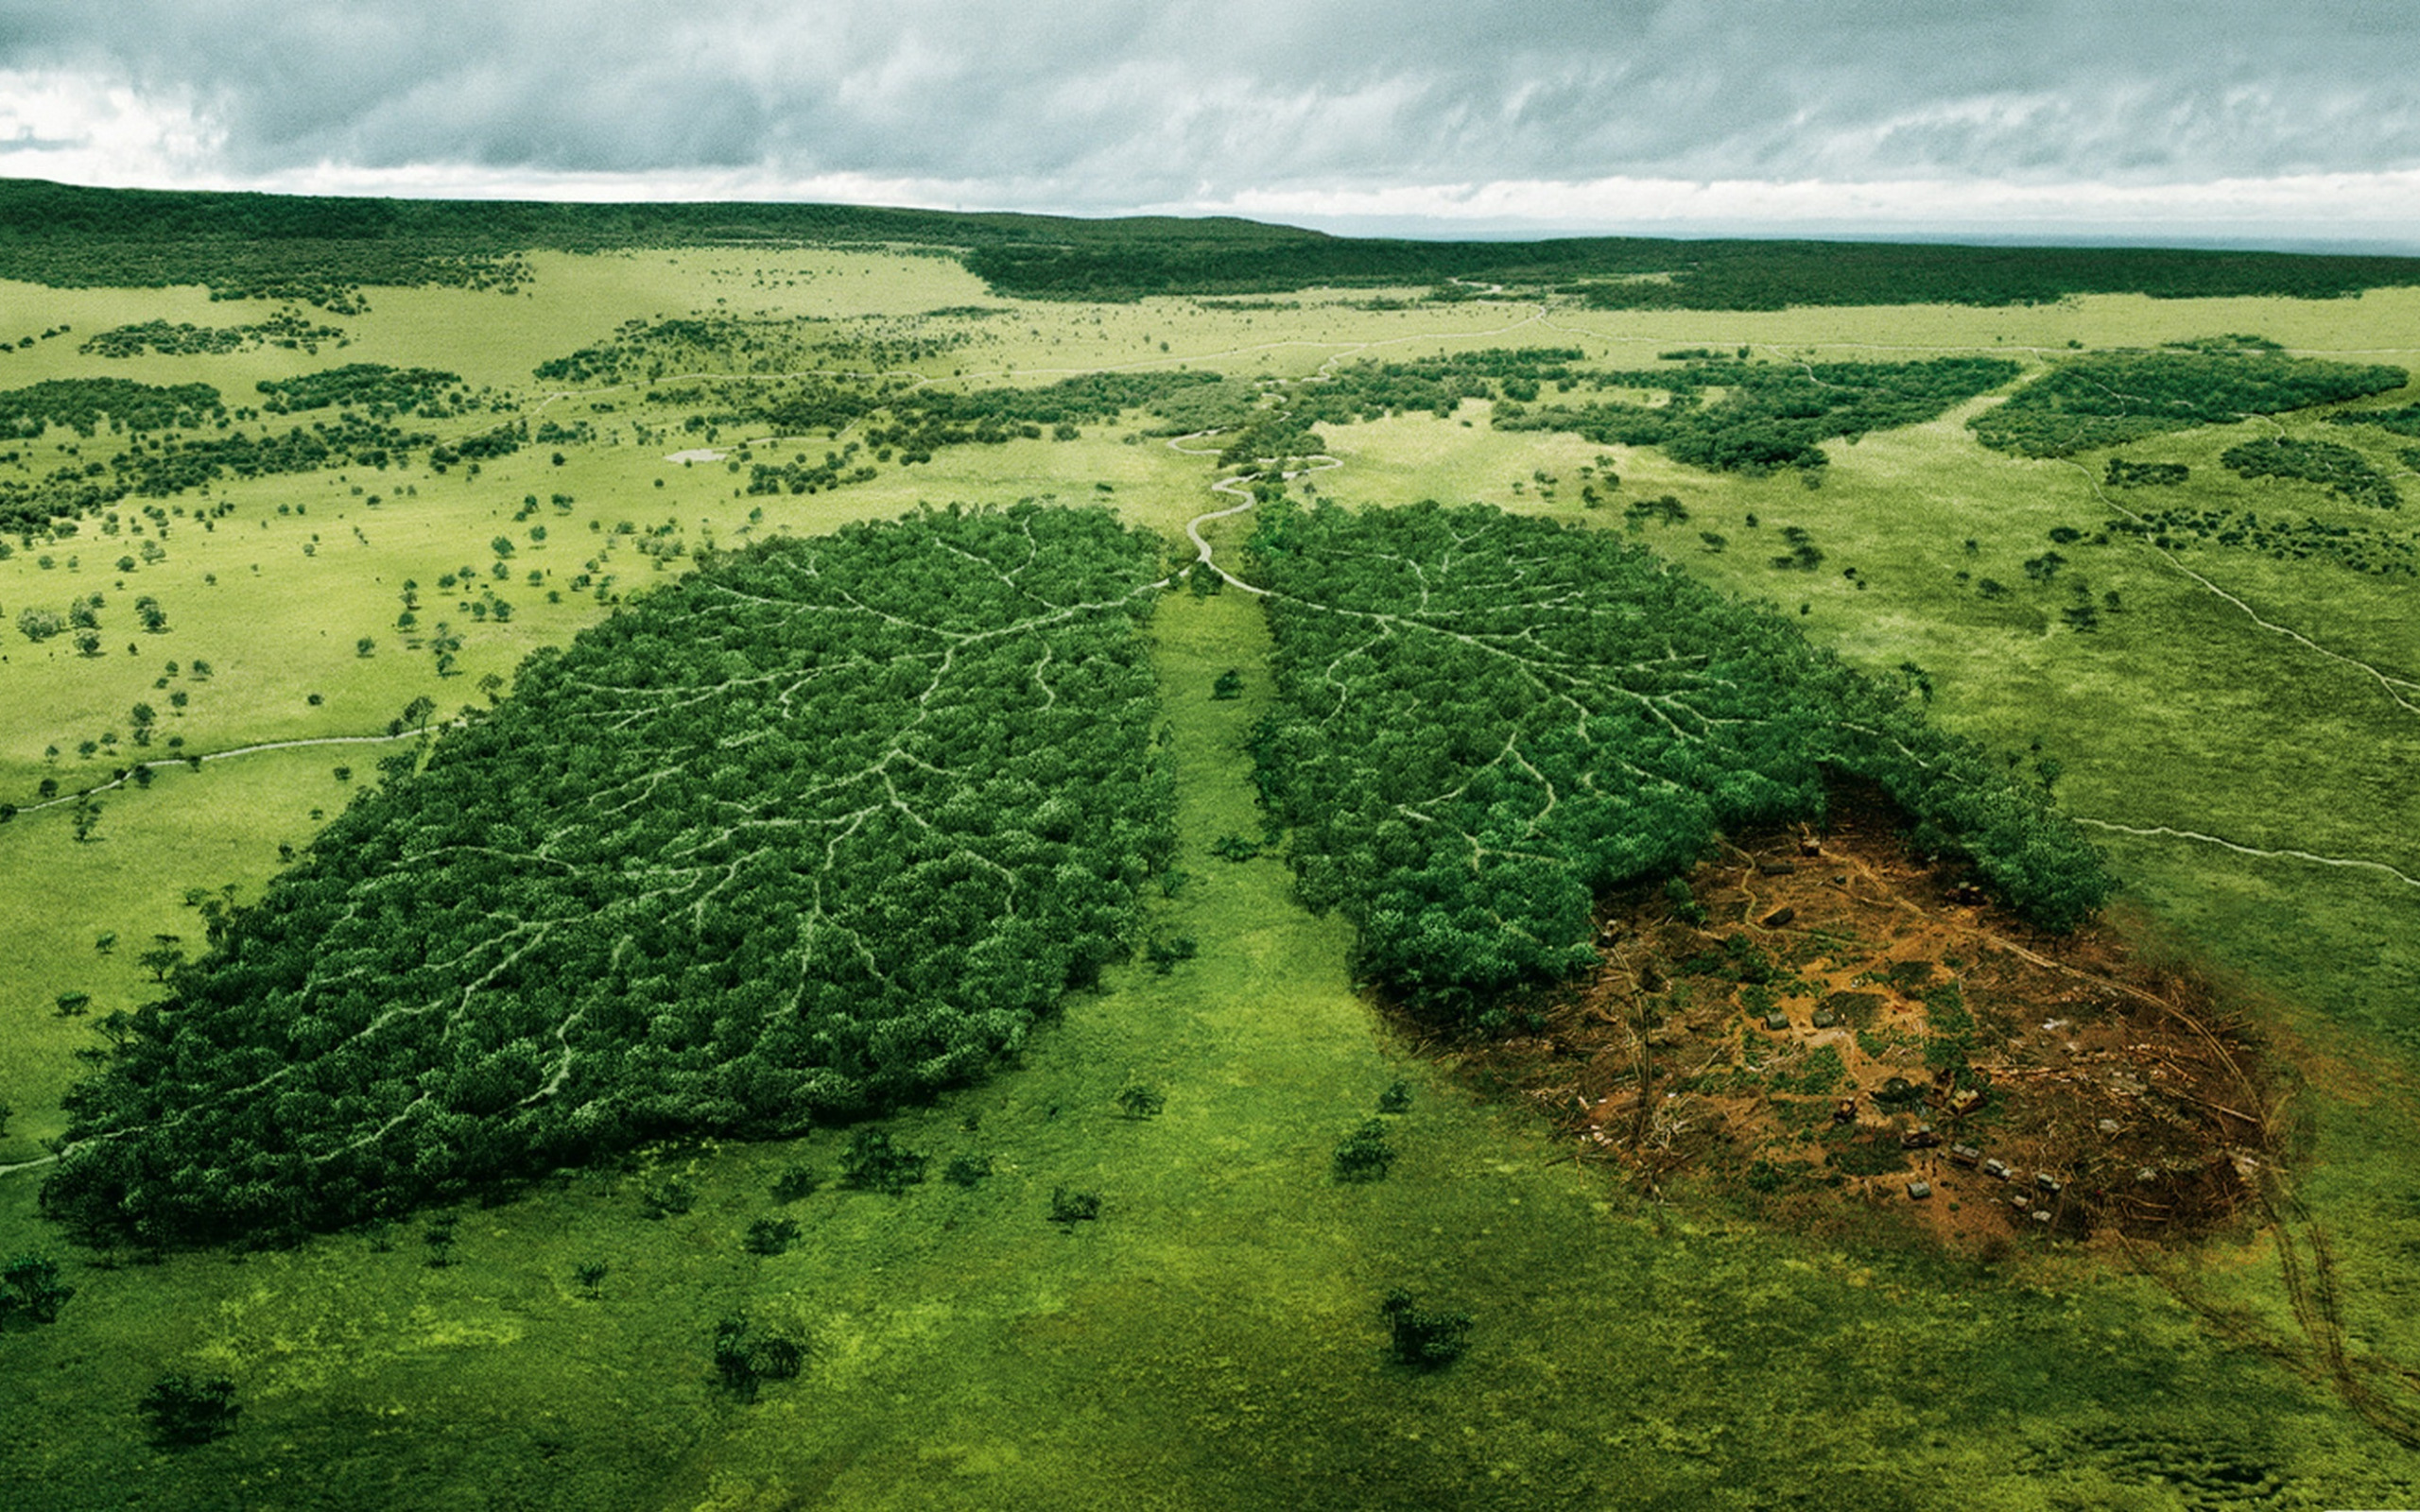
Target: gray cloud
1109,103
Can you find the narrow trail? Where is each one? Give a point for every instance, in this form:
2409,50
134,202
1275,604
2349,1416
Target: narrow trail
169,763
2395,688
1234,487
2166,831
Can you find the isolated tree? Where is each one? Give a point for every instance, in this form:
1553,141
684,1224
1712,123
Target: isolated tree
185,1410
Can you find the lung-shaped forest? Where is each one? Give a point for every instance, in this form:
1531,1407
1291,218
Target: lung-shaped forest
827,826
823,827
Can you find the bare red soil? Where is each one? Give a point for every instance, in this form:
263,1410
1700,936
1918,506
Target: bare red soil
1826,1027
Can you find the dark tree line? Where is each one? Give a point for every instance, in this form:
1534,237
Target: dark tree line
2340,469
1487,721
1770,414
819,830
285,329
2110,398
383,391
324,250
85,405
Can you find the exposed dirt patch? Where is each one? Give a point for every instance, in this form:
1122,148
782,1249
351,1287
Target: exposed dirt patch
1822,1027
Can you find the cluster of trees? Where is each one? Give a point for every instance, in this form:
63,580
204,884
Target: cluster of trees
2125,474
1368,390
2340,469
647,350
820,829
2403,419
2286,539
502,441
2110,398
383,391
798,476
85,404
172,467
1486,721
288,329
1770,414
1277,435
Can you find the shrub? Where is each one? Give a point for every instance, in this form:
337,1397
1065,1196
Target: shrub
187,1410
873,1164
1424,1341
1364,1155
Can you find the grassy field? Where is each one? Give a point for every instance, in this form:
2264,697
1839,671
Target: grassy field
1214,1339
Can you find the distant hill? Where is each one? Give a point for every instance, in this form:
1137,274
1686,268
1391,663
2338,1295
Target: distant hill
324,248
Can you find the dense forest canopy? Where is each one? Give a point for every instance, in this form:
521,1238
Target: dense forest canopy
1486,721
323,249
821,829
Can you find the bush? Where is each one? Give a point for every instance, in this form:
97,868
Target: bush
796,1181
31,1290
187,1410
873,1164
1424,1341
745,1358
1364,1155
770,1236
1070,1206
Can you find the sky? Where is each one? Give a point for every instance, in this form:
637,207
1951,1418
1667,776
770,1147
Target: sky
2221,121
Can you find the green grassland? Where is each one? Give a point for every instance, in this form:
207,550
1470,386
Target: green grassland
1214,1338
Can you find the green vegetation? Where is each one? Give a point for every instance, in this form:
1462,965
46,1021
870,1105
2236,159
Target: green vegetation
2282,539
2340,469
2233,735
1488,721
746,1357
1364,1155
2110,398
185,1410
286,329
1424,1340
1369,390
383,391
1771,415
85,404
2402,420
1122,261
31,1293
2125,474
514,960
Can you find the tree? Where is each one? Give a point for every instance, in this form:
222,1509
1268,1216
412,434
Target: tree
31,1291
1424,1341
162,959
745,1359
84,817
188,1410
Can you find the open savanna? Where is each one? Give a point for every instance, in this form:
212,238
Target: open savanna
1214,1338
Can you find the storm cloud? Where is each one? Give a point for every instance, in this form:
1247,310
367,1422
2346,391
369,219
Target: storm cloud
1599,113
